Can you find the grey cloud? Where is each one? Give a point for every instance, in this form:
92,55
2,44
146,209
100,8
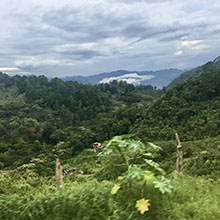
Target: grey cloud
33,64
135,30
98,26
82,54
146,55
72,21
111,27
173,37
157,32
95,26
140,1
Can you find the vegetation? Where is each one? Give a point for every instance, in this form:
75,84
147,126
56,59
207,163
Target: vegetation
30,196
192,109
196,71
41,119
128,177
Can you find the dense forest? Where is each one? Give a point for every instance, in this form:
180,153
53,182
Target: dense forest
132,176
37,114
191,108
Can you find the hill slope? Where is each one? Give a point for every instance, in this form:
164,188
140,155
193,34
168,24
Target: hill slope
196,71
191,108
37,114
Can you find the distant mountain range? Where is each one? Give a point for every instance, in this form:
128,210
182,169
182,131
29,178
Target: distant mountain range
158,78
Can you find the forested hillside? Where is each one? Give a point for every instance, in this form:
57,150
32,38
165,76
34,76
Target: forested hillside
191,108
196,71
36,114
128,177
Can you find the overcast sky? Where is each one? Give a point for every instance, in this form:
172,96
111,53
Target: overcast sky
83,37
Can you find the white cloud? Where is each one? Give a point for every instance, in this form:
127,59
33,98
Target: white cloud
191,43
133,78
8,68
183,38
178,53
67,47
200,47
34,63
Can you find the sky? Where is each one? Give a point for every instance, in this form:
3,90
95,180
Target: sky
85,37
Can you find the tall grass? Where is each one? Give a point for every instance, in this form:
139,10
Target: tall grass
191,199
89,200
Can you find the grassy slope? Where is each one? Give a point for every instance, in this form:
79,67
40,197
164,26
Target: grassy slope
191,199
30,196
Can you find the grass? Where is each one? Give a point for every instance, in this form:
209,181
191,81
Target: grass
192,198
195,195
200,158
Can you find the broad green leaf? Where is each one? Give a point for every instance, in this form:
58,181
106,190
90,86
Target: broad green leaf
134,173
142,205
163,184
155,147
135,146
147,154
155,166
107,151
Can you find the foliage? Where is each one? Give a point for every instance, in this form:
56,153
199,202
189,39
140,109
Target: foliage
25,185
142,205
200,158
137,172
37,114
192,198
42,119
191,108
196,71
26,195
90,200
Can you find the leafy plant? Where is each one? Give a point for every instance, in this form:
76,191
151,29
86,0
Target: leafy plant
140,169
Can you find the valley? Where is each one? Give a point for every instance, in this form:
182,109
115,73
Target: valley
133,174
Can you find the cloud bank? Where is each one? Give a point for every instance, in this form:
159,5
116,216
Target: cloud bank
60,38
133,78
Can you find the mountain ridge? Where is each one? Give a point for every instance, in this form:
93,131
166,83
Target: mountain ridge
157,78
196,71
190,108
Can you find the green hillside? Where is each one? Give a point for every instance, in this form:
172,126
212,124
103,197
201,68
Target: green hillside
37,114
196,71
128,177
191,108
42,118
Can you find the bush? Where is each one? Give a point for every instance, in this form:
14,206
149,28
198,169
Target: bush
192,198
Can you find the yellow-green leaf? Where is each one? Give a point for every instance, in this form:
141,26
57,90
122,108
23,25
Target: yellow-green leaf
120,178
149,177
142,205
115,189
